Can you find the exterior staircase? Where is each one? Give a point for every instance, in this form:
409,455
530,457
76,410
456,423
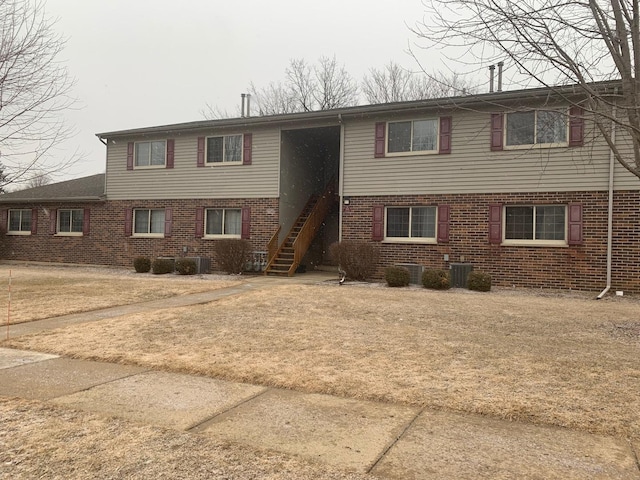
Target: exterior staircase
286,259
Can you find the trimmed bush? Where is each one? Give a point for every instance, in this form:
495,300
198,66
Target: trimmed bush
397,276
162,265
359,260
479,281
185,266
232,255
142,264
436,279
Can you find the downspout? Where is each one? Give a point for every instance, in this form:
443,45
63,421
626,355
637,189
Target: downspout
341,178
610,208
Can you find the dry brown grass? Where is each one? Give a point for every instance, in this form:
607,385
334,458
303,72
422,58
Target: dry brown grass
43,441
44,292
560,360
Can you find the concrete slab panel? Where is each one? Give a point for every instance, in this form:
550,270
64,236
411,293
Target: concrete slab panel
59,376
444,445
160,398
10,357
342,432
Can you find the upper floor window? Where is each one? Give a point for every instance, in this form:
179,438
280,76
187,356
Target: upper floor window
405,223
412,136
537,127
535,223
223,222
70,221
148,221
150,154
227,148
19,221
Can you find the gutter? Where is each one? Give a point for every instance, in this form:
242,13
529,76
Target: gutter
610,210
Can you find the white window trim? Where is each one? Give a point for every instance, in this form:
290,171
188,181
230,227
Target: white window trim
149,167
145,235
530,146
68,234
211,236
420,240
220,164
18,232
413,152
534,242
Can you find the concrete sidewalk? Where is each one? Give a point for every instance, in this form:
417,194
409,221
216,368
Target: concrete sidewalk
392,441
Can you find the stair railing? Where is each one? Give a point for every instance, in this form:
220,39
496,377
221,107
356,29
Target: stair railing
312,225
272,246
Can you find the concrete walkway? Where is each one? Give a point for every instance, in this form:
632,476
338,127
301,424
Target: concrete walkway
392,441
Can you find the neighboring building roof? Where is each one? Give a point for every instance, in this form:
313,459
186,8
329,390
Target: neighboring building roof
465,101
85,189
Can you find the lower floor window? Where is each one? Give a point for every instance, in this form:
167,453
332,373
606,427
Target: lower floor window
19,221
410,222
148,221
70,221
545,222
223,221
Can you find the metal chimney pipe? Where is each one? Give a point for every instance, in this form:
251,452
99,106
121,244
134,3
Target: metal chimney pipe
248,104
491,75
242,107
500,65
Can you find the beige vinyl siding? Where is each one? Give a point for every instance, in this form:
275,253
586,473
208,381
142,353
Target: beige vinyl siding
187,180
472,168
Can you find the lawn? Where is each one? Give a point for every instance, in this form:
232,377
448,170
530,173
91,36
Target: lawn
531,356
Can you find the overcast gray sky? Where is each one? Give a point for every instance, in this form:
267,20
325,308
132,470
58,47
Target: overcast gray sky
140,63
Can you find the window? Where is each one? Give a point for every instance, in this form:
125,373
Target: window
538,127
543,223
413,136
19,221
150,154
403,223
148,222
223,222
224,149
70,221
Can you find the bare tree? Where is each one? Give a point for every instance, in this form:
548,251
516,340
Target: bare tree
38,178
554,43
394,83
307,88
34,91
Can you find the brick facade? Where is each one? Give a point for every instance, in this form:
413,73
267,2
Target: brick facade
581,267
106,243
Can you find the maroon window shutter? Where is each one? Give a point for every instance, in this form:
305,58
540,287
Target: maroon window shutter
576,127
34,221
53,220
130,156
575,224
128,222
201,151
246,223
445,135
199,222
4,220
443,223
246,149
377,224
86,222
497,131
168,221
381,133
171,145
495,223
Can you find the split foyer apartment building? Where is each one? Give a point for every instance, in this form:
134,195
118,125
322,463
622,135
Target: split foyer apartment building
516,183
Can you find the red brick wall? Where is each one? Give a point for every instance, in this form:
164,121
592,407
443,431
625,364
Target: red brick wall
577,267
106,243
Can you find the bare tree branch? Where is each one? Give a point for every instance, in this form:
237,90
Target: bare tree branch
34,90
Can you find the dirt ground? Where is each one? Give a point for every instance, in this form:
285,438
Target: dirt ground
540,357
